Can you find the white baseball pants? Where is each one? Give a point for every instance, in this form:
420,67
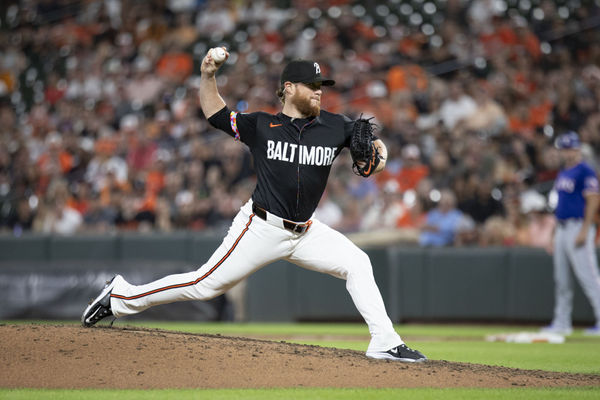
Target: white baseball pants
252,243
585,266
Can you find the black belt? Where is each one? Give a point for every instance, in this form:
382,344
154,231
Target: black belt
289,225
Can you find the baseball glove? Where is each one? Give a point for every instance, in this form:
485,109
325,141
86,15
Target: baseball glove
365,157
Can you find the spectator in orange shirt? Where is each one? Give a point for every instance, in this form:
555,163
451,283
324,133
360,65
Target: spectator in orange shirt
520,121
409,77
81,198
411,171
415,215
176,66
540,110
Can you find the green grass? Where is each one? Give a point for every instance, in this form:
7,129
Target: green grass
330,329
320,329
464,343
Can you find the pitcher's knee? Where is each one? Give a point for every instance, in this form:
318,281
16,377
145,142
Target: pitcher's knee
360,264
205,293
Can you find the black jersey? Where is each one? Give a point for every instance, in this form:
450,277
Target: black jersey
292,158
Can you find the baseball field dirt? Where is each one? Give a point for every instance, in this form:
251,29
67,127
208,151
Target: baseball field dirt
69,356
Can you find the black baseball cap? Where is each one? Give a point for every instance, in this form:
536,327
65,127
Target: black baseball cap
304,71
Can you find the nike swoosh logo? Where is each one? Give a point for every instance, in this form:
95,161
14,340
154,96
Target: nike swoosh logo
272,125
371,163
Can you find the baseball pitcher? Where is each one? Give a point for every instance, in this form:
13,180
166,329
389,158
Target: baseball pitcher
578,198
293,152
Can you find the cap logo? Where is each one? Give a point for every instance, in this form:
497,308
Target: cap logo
305,71
317,69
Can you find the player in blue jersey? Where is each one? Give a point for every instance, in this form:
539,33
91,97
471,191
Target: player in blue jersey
578,199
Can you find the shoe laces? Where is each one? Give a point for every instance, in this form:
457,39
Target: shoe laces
406,348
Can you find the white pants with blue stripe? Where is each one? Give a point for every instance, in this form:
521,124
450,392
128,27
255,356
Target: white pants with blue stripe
585,266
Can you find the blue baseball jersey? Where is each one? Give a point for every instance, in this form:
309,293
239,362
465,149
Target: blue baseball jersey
571,184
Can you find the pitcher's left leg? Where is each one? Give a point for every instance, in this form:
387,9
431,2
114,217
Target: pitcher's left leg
323,249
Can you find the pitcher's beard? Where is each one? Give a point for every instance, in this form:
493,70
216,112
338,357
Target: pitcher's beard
305,106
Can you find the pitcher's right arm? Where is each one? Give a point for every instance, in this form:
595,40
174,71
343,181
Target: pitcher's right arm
210,99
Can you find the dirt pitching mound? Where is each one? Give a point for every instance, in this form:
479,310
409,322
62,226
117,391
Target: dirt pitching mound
68,356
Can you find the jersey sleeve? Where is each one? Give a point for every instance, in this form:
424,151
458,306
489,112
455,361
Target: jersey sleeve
590,180
240,126
348,129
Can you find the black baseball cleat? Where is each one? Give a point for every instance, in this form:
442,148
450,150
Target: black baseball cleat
401,353
99,308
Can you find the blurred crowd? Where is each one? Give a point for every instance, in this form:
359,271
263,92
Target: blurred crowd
101,131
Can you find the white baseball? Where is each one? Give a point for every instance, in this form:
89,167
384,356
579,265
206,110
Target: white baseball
218,55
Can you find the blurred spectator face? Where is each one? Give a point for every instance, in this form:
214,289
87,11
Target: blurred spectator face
4,158
424,187
59,206
128,207
391,191
455,90
440,161
195,174
174,183
163,119
54,142
484,188
213,177
129,123
551,158
116,199
7,117
585,103
411,155
24,210
39,116
447,201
